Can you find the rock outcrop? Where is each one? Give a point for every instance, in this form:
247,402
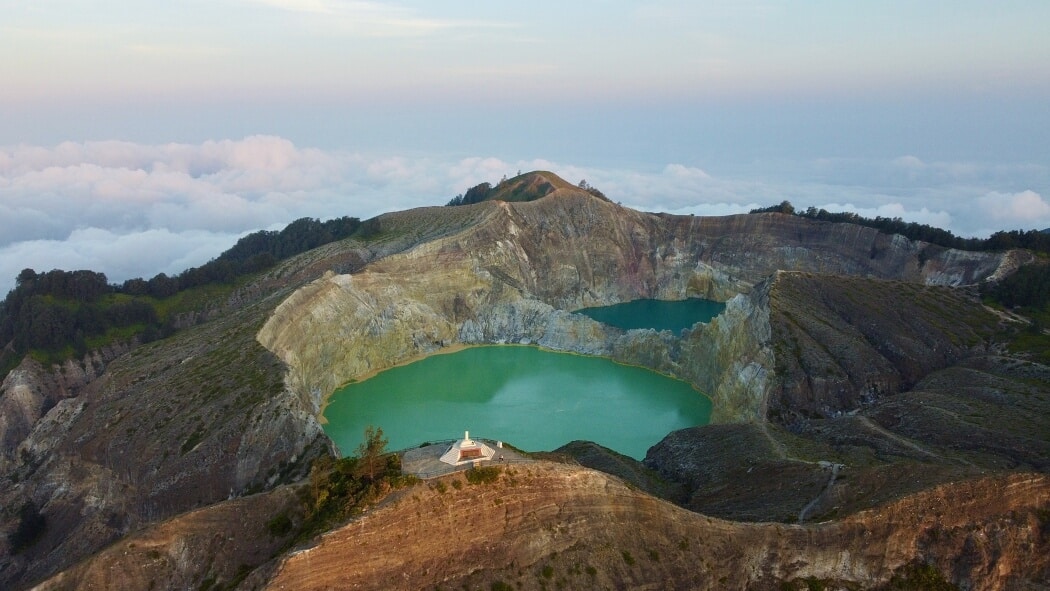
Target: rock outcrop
168,427
31,390
518,273
228,406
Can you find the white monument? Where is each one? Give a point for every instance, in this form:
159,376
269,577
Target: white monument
467,450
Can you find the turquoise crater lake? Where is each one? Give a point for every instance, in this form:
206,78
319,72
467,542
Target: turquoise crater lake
656,314
532,398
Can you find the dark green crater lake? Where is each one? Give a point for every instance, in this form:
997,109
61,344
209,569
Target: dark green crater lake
529,397
656,314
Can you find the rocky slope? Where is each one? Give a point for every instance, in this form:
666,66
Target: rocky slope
546,525
174,425
229,407
516,275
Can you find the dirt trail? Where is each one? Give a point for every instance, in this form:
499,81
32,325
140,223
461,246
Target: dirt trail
873,426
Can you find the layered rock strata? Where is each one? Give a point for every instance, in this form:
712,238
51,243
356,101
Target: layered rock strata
516,277
549,524
210,414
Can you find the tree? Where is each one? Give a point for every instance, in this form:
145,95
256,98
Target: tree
371,450
25,276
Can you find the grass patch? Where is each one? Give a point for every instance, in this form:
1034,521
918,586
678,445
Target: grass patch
920,577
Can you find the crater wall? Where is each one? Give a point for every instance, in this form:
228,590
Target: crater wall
516,276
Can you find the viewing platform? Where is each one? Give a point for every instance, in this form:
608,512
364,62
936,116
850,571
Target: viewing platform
426,461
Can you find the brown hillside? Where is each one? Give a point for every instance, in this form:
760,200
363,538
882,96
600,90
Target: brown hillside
555,526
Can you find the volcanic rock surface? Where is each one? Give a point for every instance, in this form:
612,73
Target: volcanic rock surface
852,377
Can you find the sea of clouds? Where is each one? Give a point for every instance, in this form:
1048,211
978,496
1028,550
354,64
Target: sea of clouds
134,210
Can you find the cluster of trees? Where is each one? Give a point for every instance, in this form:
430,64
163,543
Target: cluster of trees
255,252
341,488
57,312
1029,288
58,309
1032,239
475,194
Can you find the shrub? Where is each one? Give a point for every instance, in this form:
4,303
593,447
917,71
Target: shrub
483,475
280,525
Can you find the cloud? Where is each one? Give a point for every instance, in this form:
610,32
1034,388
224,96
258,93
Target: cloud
130,210
909,162
686,172
119,255
376,19
922,215
1023,208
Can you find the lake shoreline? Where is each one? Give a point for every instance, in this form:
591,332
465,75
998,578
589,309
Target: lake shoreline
530,395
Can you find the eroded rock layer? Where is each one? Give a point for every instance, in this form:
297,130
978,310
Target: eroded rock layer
546,524
516,275
229,407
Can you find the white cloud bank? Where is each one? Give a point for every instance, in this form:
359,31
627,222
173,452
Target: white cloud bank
134,210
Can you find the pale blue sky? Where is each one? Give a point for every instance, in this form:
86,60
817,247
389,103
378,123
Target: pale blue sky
525,53
931,110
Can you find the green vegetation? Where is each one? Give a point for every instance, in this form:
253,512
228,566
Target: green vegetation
281,525
483,474
523,187
920,577
371,450
61,314
1026,292
1031,239
1028,288
340,489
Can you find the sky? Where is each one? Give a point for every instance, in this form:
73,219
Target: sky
139,137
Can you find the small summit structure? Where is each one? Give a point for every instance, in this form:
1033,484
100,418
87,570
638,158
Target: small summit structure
467,450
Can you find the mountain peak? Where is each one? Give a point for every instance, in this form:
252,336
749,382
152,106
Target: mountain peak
528,186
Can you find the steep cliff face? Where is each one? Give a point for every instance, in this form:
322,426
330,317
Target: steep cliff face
731,359
30,390
229,406
515,275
